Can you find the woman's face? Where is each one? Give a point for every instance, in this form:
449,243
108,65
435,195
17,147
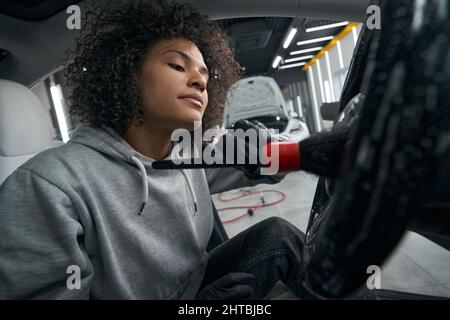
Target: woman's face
172,83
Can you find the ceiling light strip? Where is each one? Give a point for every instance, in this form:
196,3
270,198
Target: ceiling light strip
293,65
299,59
328,26
289,38
305,50
276,62
331,44
301,43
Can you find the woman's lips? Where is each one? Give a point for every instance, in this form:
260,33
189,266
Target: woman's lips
193,101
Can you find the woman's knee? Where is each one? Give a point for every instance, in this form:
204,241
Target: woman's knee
277,228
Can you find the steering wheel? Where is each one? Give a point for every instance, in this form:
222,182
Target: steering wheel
395,146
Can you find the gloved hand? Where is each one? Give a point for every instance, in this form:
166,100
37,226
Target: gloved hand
230,287
253,171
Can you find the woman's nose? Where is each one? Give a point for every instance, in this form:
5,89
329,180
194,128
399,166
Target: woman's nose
198,81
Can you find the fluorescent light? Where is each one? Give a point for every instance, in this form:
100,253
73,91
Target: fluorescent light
341,60
306,50
355,36
57,98
276,62
314,40
299,103
328,26
330,77
289,38
299,59
293,65
319,75
290,105
316,108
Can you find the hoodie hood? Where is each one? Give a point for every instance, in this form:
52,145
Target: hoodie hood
107,141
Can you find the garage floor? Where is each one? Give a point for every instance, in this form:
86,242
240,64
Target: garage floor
417,266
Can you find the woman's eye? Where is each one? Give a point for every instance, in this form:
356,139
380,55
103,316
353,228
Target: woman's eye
176,67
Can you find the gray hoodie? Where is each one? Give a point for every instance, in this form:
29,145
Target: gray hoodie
94,210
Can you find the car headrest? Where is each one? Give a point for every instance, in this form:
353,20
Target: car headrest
24,126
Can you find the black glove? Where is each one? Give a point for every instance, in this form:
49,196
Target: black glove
253,171
242,149
233,286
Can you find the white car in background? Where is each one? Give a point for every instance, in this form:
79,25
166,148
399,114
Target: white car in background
260,98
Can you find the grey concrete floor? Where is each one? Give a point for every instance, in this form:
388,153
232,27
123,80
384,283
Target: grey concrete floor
417,265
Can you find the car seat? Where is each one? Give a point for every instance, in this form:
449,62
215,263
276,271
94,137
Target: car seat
25,129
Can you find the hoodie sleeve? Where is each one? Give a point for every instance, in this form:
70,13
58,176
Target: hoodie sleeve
225,179
41,252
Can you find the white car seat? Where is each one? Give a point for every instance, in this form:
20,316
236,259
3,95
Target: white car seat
24,127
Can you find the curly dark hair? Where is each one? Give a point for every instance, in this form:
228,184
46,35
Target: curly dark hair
112,46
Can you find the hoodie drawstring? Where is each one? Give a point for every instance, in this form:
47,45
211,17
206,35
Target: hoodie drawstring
191,189
144,182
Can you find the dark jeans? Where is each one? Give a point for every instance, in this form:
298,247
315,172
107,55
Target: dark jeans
271,250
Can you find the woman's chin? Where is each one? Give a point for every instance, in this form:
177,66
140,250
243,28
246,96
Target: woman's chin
190,124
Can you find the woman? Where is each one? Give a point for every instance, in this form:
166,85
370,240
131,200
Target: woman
94,211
